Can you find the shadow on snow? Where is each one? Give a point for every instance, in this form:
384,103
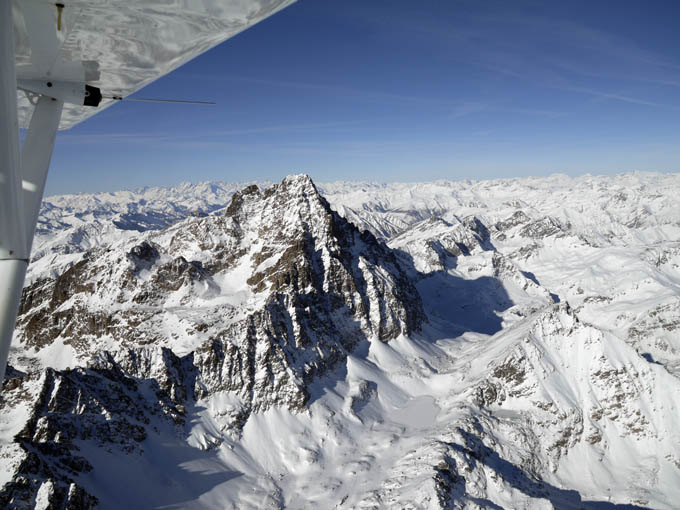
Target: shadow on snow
456,305
561,499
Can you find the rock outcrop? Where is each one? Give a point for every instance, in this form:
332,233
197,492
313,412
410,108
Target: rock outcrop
158,312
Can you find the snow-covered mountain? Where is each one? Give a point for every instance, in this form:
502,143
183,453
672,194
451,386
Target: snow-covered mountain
69,225
491,344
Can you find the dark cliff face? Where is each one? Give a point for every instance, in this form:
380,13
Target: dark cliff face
314,287
106,406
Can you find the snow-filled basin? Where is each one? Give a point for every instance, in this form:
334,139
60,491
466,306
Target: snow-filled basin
419,412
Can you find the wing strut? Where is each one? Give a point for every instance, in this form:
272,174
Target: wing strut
13,254
22,181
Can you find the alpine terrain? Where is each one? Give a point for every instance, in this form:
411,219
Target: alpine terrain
509,344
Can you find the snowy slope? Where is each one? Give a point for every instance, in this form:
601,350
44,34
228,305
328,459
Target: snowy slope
68,225
514,344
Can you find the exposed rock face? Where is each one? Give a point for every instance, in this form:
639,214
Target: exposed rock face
63,408
615,393
655,335
435,244
224,363
312,288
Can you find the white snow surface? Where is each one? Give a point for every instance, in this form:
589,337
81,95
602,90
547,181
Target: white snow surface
551,352
68,225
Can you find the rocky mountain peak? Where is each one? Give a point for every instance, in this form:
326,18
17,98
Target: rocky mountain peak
279,281
261,353
256,302
301,183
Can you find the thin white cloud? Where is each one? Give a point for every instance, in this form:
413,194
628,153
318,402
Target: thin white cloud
201,137
619,97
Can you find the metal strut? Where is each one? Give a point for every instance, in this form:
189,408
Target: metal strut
22,181
13,254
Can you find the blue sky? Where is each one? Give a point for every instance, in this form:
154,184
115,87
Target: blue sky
403,91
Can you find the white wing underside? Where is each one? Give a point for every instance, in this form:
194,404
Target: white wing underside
122,45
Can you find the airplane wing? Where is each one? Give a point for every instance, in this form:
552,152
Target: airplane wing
119,46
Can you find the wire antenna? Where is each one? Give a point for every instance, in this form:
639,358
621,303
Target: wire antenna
148,100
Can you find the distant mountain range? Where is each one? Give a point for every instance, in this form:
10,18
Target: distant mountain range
488,344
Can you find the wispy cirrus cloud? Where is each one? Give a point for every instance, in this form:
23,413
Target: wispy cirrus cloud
523,42
205,136
467,108
619,97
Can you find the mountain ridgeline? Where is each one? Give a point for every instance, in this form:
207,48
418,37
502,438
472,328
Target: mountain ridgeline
160,308
473,345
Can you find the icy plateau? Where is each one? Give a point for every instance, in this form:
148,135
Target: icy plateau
509,344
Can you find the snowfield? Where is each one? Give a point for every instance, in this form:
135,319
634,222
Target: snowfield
505,344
